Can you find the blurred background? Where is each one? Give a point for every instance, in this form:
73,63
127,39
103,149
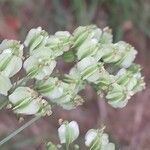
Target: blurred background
129,127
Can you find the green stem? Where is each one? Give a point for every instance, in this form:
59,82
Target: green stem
6,139
67,146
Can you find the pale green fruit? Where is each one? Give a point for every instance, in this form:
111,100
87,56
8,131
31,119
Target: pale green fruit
110,54
68,132
129,54
40,64
104,81
117,96
88,48
106,37
15,46
97,140
69,101
59,43
74,78
65,38
26,101
10,57
59,92
118,104
90,137
5,84
36,38
83,33
69,56
88,67
131,79
55,45
51,88
10,64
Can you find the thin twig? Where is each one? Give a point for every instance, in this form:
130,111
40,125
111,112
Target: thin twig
6,139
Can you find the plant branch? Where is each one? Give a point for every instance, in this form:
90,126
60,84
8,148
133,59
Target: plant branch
6,139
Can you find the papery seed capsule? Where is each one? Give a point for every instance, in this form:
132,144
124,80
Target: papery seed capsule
26,101
97,140
11,55
83,33
40,64
5,84
88,68
88,48
68,132
36,38
129,54
106,37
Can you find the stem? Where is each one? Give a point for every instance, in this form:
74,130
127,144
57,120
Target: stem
67,146
6,139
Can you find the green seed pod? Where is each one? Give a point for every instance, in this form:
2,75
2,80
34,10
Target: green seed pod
40,64
69,101
84,33
5,84
106,37
89,69
69,56
59,92
11,53
88,48
118,96
74,78
59,43
110,54
36,38
131,79
51,88
68,132
104,81
26,101
97,140
128,54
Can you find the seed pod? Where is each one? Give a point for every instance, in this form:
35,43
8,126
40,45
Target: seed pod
109,53
88,48
83,33
131,79
106,37
118,96
5,84
11,53
36,38
97,140
26,101
59,92
69,56
51,88
59,43
104,81
40,64
69,100
74,78
129,54
88,68
68,132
